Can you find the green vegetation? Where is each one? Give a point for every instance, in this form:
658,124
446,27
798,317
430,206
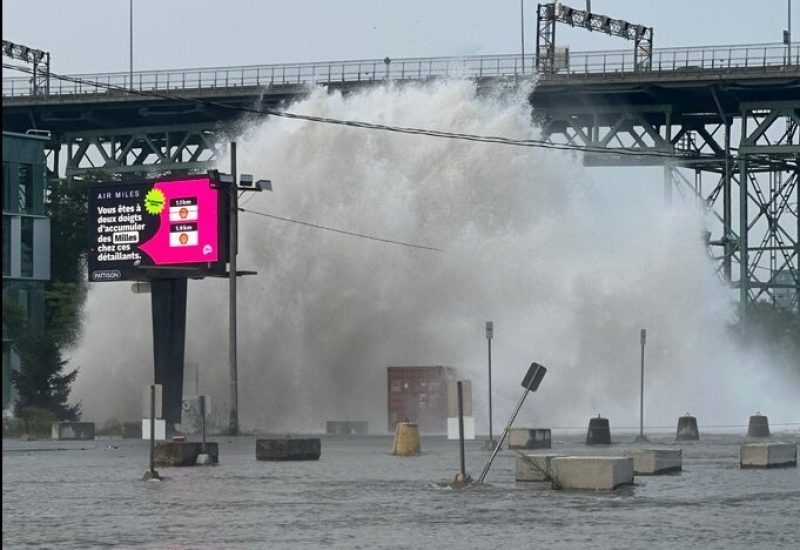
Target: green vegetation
31,422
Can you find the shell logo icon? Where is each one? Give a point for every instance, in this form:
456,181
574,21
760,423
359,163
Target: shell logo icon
183,234
183,209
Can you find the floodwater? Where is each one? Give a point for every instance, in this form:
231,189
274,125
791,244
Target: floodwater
89,495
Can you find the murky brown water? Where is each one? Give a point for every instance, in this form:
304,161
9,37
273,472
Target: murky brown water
89,495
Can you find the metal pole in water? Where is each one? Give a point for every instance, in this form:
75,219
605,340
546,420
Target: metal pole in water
643,339
461,428
202,399
153,430
489,336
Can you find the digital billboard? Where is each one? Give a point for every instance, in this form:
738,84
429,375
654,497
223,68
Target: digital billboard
139,230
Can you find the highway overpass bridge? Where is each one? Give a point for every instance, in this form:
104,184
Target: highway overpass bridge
723,120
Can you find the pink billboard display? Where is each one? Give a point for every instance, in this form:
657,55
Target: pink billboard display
155,225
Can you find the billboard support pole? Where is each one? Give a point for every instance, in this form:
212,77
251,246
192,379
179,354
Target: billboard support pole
234,215
168,306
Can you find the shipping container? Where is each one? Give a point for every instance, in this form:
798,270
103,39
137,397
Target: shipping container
419,395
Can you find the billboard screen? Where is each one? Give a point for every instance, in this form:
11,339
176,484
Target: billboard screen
177,223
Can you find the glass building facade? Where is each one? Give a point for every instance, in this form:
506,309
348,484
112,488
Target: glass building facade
26,237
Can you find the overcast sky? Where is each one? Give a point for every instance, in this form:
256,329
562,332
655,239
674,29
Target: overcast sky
93,35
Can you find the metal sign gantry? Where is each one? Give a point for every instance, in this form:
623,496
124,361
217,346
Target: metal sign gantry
547,15
38,59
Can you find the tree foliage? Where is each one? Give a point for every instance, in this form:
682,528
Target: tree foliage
40,382
66,292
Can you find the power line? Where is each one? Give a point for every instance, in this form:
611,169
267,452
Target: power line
535,143
341,231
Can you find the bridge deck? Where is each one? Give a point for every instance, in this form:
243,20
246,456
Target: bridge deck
604,65
681,77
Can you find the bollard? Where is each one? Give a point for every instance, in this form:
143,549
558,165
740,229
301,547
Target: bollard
406,440
759,426
687,428
599,432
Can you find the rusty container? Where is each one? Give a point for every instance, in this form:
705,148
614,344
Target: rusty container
418,395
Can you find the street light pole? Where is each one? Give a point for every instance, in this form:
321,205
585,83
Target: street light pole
234,243
522,33
789,30
131,46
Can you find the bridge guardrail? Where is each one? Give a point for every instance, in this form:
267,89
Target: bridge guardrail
618,63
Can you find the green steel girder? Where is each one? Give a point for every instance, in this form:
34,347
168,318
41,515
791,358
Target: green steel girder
764,167
758,119
185,147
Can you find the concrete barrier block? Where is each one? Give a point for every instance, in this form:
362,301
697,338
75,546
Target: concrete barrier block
592,473
532,467
288,448
132,430
768,455
73,431
529,438
656,461
342,427
184,453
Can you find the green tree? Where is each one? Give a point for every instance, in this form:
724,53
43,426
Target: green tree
40,382
65,295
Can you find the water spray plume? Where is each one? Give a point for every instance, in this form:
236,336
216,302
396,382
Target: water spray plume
530,239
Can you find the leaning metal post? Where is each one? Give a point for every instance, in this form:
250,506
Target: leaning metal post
505,431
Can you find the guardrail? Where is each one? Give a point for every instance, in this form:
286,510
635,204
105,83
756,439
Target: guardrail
602,63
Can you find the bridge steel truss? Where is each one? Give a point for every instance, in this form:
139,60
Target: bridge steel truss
752,190
137,151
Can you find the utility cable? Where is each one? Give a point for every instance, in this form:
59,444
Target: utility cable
341,231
